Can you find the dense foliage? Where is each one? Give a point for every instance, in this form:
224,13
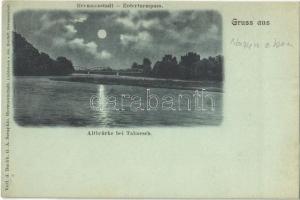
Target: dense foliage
190,67
29,61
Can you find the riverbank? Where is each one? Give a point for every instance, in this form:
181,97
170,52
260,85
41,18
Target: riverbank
143,82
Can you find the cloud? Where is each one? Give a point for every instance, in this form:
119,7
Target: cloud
133,35
141,39
54,26
148,24
59,41
104,55
71,31
213,31
79,18
47,23
127,22
78,43
136,21
89,47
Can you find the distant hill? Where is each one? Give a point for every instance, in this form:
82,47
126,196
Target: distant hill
28,61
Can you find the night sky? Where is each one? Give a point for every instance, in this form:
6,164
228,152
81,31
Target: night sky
119,38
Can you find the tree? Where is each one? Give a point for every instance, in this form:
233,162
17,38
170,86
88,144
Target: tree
167,68
134,66
63,66
28,60
187,62
146,66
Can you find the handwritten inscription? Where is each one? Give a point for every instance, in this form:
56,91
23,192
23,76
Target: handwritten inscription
275,43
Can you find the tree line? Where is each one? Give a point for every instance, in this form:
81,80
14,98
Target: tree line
28,61
190,67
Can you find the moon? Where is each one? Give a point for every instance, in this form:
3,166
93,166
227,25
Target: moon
101,34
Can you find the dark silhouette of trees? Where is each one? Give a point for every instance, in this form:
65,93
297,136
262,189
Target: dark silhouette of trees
63,66
187,62
144,68
134,66
190,67
28,60
166,68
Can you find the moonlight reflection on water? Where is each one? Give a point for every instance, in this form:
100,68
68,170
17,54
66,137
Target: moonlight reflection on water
39,101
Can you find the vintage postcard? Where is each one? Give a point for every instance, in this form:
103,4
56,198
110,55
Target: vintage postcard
150,99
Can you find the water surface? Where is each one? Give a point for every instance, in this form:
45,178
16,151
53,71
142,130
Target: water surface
40,101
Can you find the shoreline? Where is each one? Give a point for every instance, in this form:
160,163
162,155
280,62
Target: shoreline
143,82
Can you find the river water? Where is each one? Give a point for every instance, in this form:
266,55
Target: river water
40,101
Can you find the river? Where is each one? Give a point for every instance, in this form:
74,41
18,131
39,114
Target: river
41,101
